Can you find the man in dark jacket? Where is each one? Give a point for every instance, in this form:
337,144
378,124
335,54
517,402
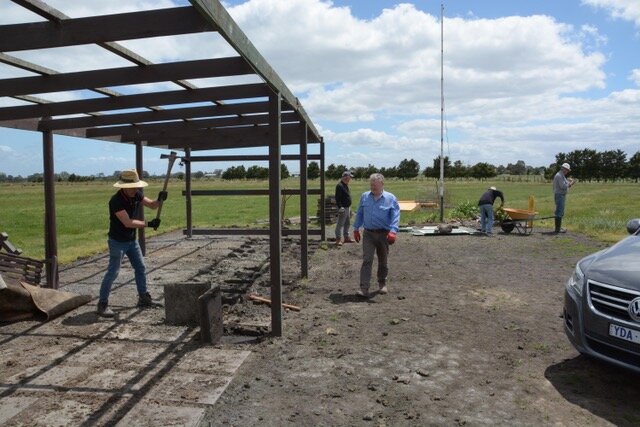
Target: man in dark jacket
343,201
486,209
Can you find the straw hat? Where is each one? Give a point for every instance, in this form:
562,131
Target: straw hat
130,179
566,166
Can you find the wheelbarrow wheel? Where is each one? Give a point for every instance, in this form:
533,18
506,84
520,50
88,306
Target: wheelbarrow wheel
507,227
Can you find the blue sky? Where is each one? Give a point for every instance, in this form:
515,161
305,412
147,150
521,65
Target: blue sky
524,79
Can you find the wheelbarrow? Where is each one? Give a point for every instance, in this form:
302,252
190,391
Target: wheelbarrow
520,220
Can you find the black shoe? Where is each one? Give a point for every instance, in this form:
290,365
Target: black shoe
363,293
104,310
145,301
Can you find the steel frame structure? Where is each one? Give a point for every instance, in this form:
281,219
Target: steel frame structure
262,114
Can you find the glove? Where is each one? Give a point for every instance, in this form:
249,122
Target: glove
162,196
341,210
391,237
356,235
154,223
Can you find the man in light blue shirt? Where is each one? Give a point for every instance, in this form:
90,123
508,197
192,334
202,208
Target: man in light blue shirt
379,214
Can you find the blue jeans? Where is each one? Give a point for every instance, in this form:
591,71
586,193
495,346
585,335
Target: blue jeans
560,201
486,218
117,251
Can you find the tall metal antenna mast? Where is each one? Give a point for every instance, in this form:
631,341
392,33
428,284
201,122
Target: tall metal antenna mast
441,182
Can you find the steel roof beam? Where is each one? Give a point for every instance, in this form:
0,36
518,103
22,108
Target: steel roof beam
227,27
202,68
151,116
258,90
146,131
122,26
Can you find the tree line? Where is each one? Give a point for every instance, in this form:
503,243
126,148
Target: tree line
586,165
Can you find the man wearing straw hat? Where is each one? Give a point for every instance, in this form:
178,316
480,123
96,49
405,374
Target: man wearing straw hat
123,209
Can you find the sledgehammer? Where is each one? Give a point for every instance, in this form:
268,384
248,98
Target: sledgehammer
172,159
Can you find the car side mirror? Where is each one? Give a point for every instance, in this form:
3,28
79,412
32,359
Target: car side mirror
633,225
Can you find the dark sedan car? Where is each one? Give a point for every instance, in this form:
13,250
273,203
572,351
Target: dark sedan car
602,303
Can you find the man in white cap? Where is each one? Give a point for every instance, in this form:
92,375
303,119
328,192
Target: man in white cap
560,187
486,209
123,211
343,201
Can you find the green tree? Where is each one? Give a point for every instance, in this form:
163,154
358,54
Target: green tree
408,169
391,172
313,170
458,170
483,171
633,167
334,172
613,164
257,172
364,172
234,172
434,172
284,171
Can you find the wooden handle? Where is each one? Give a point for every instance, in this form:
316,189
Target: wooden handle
258,298
172,159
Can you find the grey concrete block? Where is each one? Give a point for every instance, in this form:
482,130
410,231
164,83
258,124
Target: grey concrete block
211,325
181,303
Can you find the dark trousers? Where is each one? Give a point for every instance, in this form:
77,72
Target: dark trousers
374,243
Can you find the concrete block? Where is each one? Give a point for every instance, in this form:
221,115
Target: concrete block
181,303
211,325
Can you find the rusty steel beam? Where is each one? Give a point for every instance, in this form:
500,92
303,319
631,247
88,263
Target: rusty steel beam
215,12
54,15
304,192
247,158
160,116
251,136
275,214
201,68
178,129
244,232
254,192
121,26
257,90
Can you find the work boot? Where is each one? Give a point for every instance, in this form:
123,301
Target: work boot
145,301
104,310
338,242
349,240
383,289
558,221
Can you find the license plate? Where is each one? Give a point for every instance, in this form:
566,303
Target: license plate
624,333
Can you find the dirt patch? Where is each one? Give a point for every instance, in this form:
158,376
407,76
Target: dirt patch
470,333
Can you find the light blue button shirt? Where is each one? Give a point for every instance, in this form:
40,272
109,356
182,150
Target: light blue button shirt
383,213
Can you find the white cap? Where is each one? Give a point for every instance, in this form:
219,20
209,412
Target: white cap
492,188
566,166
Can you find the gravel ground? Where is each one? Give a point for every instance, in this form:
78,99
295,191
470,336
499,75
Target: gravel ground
470,334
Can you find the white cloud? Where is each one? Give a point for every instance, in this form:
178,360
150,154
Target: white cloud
628,10
355,70
516,87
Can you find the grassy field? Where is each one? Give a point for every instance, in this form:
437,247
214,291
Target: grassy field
600,210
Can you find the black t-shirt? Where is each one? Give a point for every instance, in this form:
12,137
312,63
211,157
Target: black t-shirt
119,202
